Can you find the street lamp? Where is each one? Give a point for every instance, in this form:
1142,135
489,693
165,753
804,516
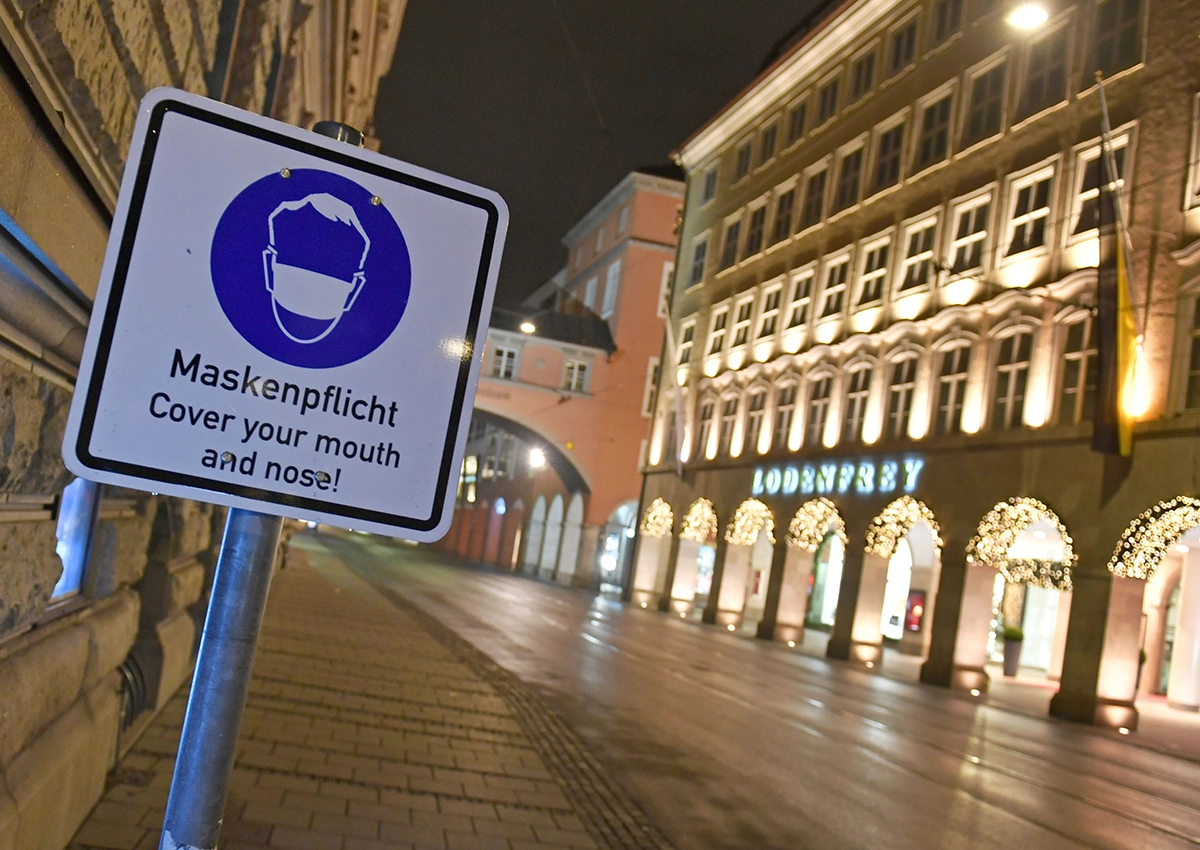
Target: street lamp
528,327
1028,16
537,459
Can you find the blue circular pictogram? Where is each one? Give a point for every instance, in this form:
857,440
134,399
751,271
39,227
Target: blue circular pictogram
310,268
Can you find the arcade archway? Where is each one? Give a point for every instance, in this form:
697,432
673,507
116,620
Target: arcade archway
812,576
694,562
654,547
750,536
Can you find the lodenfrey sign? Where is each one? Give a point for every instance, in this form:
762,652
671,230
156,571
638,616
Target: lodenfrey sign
285,323
864,477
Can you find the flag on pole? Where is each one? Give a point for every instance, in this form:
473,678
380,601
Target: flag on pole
1116,324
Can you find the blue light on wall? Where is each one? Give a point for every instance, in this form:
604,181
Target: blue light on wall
864,477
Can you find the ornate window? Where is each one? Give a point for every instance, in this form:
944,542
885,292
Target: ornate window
985,114
818,410
1030,204
801,300
873,277
970,233
858,388
814,199
835,286
1012,375
716,336
768,321
1080,374
900,395
754,419
951,389
920,239
741,328
785,410
729,410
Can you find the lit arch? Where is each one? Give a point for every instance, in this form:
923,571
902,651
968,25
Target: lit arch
751,519
1001,527
700,522
1148,538
659,520
893,523
813,522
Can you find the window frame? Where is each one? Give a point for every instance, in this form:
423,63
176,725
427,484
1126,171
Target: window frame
730,250
745,145
867,57
1123,138
994,367
842,258
727,423
711,175
743,322
778,236
1087,356
824,166
855,400
908,389
650,392
801,299
683,354
755,239
833,81
720,314
968,143
1192,199
513,362
885,240
752,433
949,90
571,371
783,416
901,120
937,40
814,426
959,381
919,224
704,239
771,126
857,146
1093,63
767,312
1024,110
969,203
1017,181
803,103
612,288
912,20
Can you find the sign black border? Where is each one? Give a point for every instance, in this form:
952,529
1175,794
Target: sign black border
116,291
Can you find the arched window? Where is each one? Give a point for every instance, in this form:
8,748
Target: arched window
755,405
785,410
818,409
858,388
953,365
729,411
902,382
1080,374
706,422
1012,375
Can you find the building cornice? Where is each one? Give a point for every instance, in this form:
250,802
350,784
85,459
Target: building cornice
634,182
816,52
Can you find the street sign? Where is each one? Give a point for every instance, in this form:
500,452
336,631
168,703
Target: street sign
285,323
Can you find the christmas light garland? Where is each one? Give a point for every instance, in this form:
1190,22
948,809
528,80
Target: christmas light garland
893,523
658,520
751,519
1001,527
1150,537
813,522
699,523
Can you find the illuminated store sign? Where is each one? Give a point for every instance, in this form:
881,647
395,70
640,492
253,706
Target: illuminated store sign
864,477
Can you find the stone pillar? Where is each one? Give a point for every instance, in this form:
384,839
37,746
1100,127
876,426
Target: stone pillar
731,595
645,569
683,589
1061,619
793,594
1100,663
781,556
714,593
664,601
866,633
1183,686
843,621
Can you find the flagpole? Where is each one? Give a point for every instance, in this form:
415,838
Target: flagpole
1110,161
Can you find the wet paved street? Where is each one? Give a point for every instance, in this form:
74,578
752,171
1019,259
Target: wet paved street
734,743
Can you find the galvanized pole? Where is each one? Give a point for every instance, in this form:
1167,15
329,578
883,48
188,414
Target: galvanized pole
214,714
200,784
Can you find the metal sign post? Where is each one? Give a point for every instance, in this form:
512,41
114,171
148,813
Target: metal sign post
208,742
204,764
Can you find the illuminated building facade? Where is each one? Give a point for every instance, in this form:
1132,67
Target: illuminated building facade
875,417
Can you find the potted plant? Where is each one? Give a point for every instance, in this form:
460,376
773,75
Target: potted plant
1012,636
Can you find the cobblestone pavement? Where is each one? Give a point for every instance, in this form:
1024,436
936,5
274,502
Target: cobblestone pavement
368,726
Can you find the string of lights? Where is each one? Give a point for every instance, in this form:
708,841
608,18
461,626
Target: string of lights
1149,538
751,519
894,522
999,530
659,521
699,523
814,521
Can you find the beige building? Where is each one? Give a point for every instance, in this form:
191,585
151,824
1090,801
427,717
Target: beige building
102,592
874,424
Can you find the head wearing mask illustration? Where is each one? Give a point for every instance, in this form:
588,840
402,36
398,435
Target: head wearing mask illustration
313,264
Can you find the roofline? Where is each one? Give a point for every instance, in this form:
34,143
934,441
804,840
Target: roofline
679,156
631,183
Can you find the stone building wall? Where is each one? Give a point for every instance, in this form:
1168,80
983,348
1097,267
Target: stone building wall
83,673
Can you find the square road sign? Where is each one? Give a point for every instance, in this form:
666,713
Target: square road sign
285,323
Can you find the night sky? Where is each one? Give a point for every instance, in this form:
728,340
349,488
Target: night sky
495,92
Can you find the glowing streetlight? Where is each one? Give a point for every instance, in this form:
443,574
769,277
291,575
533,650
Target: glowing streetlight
1027,16
528,327
537,459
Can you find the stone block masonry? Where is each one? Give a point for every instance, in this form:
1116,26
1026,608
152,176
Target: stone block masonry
370,726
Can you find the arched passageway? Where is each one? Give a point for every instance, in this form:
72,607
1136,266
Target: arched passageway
1161,550
694,562
747,571
812,574
613,549
901,567
654,548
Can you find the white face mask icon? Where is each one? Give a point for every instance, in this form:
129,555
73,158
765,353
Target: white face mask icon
313,295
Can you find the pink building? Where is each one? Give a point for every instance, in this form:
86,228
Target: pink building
552,470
